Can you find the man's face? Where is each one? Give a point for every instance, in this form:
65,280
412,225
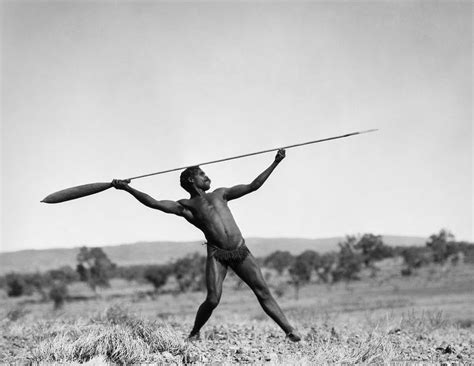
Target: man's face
201,180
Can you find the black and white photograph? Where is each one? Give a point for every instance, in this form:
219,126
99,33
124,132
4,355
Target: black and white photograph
200,182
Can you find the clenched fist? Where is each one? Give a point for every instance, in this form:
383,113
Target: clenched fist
120,183
280,155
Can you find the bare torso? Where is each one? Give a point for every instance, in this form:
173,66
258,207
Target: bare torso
211,214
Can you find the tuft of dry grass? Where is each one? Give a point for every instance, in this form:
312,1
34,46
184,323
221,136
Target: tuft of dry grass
115,336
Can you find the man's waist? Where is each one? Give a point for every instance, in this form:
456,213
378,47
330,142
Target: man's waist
226,246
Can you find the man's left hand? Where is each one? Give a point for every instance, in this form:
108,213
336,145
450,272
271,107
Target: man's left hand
280,155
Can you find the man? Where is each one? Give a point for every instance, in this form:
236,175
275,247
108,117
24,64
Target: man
226,247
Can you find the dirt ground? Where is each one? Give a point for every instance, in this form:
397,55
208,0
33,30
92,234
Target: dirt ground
428,317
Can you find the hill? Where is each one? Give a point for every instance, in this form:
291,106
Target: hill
164,251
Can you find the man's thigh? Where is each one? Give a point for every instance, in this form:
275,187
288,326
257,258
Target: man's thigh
215,275
249,271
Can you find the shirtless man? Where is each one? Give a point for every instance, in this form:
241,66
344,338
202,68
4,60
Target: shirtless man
226,247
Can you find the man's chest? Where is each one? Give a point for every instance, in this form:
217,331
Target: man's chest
208,205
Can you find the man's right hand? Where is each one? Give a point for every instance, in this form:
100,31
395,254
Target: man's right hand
120,183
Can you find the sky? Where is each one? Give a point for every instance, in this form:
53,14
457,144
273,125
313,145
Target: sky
92,91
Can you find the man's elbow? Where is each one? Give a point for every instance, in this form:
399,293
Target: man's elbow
254,186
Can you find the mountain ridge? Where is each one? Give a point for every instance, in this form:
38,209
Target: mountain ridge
148,252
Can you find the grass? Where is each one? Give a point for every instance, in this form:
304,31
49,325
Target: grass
115,335
399,321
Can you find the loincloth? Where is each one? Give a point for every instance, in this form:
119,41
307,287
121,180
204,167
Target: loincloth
230,257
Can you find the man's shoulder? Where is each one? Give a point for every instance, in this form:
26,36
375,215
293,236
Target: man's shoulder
184,201
219,192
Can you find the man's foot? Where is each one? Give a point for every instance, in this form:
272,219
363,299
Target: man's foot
194,337
293,336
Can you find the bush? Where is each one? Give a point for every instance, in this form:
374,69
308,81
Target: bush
373,248
189,272
157,275
58,293
349,261
415,257
438,243
131,273
301,269
279,260
65,274
94,267
16,285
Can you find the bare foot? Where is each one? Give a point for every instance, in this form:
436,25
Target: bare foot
293,336
194,337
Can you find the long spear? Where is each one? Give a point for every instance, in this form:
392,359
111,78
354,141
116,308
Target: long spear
92,188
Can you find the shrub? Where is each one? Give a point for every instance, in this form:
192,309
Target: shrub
94,267
438,243
349,261
301,268
16,285
58,293
279,260
189,272
373,248
157,275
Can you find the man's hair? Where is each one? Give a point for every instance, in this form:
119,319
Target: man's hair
185,175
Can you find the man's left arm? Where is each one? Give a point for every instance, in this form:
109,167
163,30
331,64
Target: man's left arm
243,189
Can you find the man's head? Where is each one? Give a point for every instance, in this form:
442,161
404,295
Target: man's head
193,177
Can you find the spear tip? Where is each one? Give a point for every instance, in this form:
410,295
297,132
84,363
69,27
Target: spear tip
371,130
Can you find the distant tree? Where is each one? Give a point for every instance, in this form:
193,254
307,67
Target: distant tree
349,261
279,260
157,275
131,273
326,267
415,257
65,274
458,247
312,257
36,282
438,243
15,285
94,267
189,272
373,248
18,284
301,269
58,293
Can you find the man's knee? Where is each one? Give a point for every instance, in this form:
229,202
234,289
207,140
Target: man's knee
263,293
212,300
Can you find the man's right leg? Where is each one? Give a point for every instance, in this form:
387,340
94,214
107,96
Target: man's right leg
215,274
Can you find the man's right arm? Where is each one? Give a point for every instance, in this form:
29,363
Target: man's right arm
167,206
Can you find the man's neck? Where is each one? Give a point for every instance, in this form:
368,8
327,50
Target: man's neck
198,192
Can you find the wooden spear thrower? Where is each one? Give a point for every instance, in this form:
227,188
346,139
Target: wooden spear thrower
92,188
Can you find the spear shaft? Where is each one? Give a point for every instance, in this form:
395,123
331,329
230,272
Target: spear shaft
93,188
255,153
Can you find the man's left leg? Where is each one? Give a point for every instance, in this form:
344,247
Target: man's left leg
250,273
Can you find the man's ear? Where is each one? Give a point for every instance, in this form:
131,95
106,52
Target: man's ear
191,179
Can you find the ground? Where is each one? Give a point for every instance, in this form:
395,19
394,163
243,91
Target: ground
428,317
